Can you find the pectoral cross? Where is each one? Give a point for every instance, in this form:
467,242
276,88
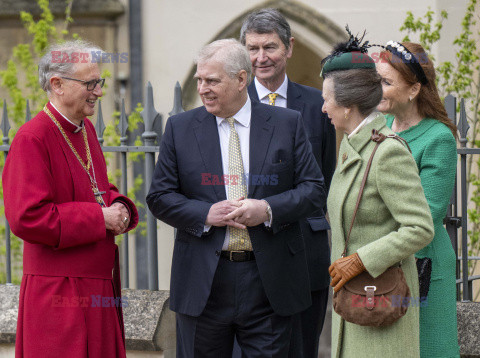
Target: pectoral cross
98,196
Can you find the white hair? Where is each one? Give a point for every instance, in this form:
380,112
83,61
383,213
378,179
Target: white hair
60,60
231,53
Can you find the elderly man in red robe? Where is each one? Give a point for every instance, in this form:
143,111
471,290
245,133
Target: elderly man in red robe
59,201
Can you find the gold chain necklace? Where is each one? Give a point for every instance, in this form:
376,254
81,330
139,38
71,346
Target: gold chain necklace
93,182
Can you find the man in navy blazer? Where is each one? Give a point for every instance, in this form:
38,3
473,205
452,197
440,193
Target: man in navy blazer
267,37
217,293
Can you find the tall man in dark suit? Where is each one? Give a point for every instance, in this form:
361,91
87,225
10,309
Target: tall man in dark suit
267,37
235,177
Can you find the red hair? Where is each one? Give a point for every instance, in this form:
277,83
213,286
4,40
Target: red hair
429,103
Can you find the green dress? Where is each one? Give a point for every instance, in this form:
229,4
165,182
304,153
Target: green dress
435,152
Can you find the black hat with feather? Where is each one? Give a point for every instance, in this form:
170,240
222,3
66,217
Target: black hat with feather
348,55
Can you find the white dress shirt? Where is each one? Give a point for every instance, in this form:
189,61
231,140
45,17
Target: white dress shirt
242,126
263,92
367,120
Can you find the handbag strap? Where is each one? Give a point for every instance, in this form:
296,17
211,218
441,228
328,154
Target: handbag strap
400,139
378,138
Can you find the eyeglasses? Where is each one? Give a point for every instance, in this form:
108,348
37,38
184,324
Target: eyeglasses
90,84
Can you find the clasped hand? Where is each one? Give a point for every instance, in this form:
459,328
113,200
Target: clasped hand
344,269
238,213
114,216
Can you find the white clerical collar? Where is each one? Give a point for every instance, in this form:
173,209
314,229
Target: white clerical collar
264,91
243,116
79,128
367,120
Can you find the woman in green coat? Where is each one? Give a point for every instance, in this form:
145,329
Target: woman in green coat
393,220
417,114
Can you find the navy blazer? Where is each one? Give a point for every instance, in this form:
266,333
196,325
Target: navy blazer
321,134
283,171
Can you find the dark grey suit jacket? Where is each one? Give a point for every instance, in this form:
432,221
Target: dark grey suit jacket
286,175
321,134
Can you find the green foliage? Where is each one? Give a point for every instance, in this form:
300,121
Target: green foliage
423,26
20,79
112,138
460,78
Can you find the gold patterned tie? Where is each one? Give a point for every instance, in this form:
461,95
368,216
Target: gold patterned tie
271,98
239,238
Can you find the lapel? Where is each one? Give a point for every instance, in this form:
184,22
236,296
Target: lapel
252,92
347,171
260,136
294,98
206,133
350,161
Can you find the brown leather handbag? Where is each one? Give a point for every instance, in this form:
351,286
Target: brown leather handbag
369,301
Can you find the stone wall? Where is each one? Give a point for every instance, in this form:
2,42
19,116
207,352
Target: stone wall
468,315
150,325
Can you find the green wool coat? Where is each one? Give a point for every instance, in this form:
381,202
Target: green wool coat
393,222
435,152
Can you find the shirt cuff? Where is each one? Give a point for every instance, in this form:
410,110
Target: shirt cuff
268,223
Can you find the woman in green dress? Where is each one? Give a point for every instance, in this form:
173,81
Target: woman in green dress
415,112
393,220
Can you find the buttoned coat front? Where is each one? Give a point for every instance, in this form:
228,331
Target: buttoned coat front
321,135
392,223
278,148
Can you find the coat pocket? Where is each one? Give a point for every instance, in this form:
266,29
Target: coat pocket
319,223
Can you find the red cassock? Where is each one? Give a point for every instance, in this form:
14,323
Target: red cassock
68,305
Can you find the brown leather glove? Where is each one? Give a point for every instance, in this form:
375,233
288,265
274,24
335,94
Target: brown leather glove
344,269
